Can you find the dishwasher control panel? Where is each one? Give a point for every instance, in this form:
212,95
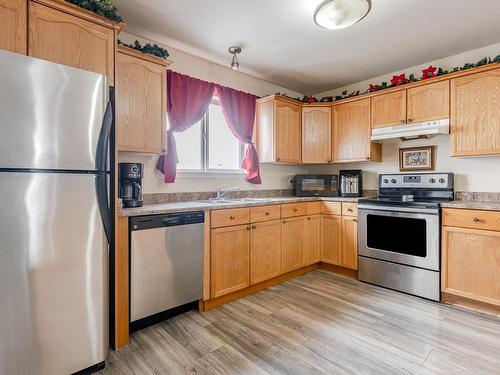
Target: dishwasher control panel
166,220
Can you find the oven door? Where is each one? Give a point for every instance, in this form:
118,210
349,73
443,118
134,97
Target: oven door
404,236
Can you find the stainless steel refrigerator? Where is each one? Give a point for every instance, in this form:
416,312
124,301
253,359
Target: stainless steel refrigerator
55,217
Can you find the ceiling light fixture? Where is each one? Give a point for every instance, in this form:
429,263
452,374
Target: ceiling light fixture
339,14
234,50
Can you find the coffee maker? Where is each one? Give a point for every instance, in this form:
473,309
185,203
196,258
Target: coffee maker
351,183
130,181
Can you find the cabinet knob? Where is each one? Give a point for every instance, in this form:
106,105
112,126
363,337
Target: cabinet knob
232,217
403,121
309,218
277,159
329,161
248,228
476,220
295,210
254,226
355,220
284,221
410,120
267,213
349,210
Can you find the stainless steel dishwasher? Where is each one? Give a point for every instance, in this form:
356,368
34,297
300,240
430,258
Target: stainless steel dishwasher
166,265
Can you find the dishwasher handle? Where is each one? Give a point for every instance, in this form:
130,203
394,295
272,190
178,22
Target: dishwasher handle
166,220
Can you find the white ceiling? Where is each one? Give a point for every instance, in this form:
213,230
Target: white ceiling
282,44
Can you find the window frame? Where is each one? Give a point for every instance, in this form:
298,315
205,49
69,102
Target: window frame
205,160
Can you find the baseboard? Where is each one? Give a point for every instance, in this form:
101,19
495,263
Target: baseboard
470,304
352,274
219,301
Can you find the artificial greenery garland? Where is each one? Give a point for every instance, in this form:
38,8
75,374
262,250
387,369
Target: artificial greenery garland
398,80
150,49
104,8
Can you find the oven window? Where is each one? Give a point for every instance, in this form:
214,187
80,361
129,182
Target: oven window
313,184
397,234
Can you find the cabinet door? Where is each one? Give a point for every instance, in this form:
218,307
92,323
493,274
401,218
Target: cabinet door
349,253
230,259
351,132
471,260
14,21
312,243
66,39
331,229
293,240
287,132
475,114
140,104
265,251
389,109
429,102
316,135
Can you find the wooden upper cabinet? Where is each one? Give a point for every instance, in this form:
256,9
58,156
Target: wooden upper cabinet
475,114
312,241
64,38
429,102
293,243
278,130
316,134
230,259
349,253
14,21
352,132
140,101
265,251
388,109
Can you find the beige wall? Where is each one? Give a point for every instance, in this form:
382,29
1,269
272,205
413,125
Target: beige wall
478,174
273,176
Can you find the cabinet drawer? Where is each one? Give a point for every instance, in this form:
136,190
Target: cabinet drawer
331,208
349,209
293,209
475,219
233,216
265,213
312,208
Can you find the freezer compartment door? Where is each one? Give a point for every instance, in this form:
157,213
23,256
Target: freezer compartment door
50,114
53,274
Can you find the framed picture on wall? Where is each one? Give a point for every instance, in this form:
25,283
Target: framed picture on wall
416,159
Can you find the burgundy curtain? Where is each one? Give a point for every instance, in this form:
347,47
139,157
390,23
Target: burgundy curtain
188,99
239,111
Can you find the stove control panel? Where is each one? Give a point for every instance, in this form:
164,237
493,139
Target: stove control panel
416,180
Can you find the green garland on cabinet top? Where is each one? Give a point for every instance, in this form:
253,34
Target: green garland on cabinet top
103,8
150,49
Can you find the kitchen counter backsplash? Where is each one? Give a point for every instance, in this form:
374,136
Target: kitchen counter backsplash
158,198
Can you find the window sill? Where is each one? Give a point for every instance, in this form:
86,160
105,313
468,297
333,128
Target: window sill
221,174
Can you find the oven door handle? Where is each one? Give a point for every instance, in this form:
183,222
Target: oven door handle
426,211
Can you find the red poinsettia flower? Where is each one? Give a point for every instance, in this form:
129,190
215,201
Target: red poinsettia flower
373,88
429,72
311,99
399,80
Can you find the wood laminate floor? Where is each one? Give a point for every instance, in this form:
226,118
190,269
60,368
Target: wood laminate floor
319,323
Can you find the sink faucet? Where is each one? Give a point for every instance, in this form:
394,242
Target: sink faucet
223,191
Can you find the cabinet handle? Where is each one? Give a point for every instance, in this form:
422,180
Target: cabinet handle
232,217
403,121
254,226
267,214
309,218
248,228
476,220
349,210
410,120
295,210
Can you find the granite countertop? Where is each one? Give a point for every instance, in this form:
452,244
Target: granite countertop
163,208
473,205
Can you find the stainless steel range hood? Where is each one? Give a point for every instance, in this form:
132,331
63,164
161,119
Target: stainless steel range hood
412,131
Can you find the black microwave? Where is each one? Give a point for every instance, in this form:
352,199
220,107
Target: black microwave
316,185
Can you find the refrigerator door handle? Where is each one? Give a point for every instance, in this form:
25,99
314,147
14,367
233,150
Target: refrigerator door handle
102,186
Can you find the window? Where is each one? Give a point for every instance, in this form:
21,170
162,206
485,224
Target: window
209,145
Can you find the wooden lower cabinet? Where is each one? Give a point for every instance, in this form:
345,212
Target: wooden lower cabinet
265,251
230,259
349,249
312,243
331,229
293,243
471,264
